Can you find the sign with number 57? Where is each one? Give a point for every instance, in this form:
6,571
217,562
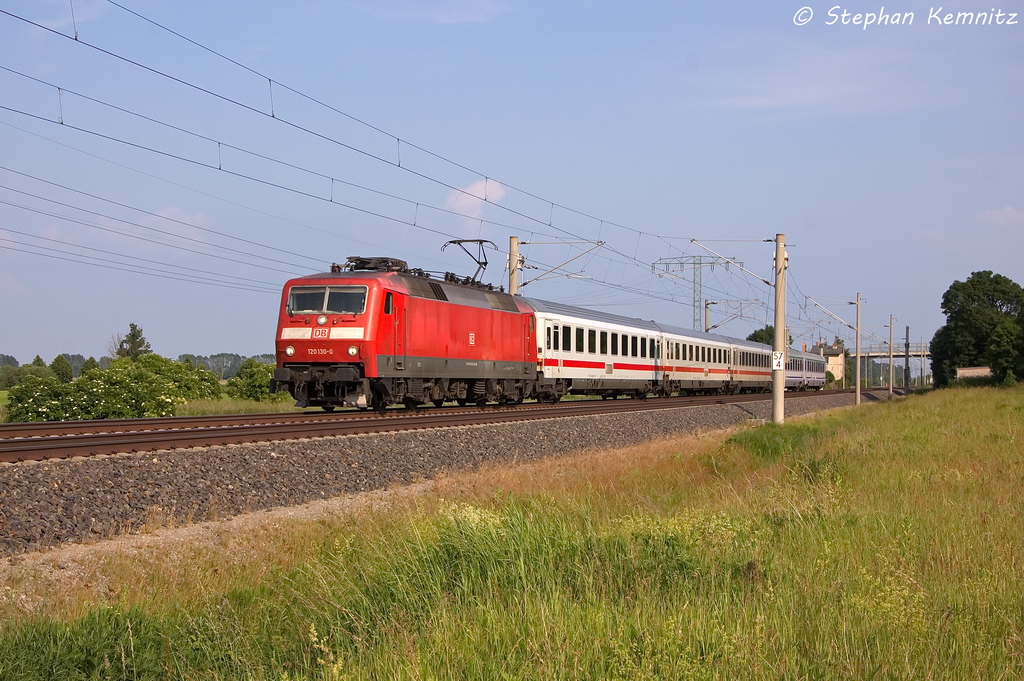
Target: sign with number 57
778,361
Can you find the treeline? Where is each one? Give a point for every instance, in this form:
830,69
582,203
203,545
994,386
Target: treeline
67,367
225,364
135,383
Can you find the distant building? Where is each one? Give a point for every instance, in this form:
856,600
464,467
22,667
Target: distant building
835,355
973,372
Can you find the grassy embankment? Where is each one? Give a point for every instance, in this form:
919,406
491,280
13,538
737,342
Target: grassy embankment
883,542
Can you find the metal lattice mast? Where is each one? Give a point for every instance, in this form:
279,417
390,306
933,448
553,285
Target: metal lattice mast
696,263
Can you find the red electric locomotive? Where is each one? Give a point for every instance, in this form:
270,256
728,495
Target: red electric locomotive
373,333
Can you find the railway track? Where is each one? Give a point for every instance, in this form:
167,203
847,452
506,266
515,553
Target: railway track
55,440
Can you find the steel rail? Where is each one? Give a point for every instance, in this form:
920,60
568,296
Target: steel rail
133,435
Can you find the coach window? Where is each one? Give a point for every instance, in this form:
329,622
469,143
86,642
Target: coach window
554,339
604,342
655,349
547,337
388,302
567,338
615,343
703,354
579,339
643,347
677,352
592,341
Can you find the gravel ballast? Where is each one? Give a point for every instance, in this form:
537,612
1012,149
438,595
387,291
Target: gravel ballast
48,503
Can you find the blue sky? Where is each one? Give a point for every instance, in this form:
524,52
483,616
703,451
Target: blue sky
890,156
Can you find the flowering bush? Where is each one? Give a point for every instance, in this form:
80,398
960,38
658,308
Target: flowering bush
150,386
192,383
125,390
37,399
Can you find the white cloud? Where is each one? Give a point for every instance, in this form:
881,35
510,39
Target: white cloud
470,201
434,11
1007,216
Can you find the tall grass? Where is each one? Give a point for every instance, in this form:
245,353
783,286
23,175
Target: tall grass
881,542
230,405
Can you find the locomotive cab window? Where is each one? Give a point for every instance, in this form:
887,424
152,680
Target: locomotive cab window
327,299
388,302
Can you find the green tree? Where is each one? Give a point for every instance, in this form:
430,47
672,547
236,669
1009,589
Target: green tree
8,376
134,344
88,365
252,382
8,361
38,361
61,368
984,326
767,336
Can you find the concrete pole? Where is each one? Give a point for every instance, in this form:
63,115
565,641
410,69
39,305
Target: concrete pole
892,320
857,390
906,364
513,265
779,340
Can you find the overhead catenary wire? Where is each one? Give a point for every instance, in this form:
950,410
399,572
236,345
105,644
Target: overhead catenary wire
631,259
8,230
182,186
268,183
134,224
226,145
168,219
345,145
129,268
398,140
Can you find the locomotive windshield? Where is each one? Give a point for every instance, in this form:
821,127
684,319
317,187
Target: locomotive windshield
327,299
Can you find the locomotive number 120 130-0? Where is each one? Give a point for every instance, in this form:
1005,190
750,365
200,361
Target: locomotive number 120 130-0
321,351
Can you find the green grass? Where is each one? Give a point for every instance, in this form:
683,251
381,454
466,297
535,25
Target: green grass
877,543
228,405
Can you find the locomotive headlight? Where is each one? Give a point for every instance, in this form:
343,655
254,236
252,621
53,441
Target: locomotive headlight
321,320
290,351
353,351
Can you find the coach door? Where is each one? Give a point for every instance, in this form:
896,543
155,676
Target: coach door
552,348
659,365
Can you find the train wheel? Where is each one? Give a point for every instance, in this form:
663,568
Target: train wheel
328,407
437,403
410,403
462,402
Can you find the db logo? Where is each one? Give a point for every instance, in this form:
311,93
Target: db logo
472,339
320,333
